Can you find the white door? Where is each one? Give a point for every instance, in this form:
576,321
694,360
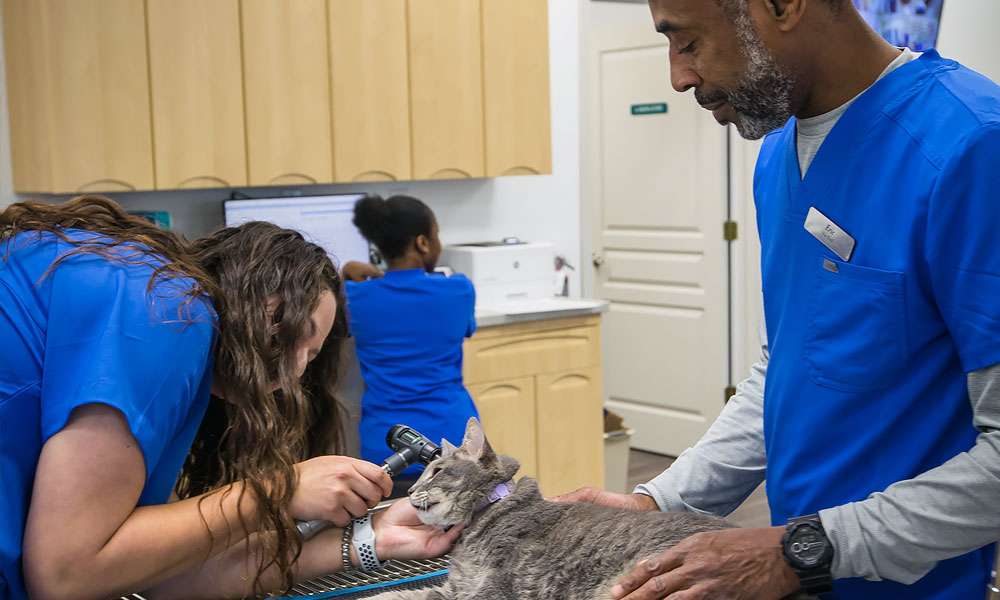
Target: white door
655,174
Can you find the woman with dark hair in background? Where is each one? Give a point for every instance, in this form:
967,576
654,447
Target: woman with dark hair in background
409,326
115,336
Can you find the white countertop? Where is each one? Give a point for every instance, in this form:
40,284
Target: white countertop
520,311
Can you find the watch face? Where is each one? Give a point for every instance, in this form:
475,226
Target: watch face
808,546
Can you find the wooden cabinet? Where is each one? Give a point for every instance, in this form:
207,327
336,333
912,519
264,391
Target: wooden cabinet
507,412
538,388
121,95
446,89
197,91
286,79
570,429
516,84
78,95
371,102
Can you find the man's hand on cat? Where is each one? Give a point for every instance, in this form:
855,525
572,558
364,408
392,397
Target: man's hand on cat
735,564
399,534
605,498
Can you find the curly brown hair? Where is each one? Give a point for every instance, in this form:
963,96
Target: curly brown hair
264,283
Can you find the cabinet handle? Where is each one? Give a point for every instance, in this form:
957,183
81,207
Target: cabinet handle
214,181
520,171
450,174
106,185
374,175
293,179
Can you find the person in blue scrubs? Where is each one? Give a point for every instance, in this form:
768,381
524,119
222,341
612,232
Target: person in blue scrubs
409,326
117,337
874,413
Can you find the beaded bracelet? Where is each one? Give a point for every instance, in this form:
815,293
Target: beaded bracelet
345,545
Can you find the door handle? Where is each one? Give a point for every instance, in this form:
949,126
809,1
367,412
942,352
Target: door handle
598,260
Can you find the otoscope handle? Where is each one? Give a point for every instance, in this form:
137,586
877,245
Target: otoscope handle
308,529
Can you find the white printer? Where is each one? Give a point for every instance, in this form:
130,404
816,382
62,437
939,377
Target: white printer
504,271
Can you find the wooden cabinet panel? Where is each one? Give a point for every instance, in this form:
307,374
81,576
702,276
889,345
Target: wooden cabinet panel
371,105
446,88
28,93
516,82
79,95
197,90
570,430
507,412
531,352
286,79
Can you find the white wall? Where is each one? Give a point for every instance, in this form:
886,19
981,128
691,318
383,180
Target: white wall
969,34
6,182
533,208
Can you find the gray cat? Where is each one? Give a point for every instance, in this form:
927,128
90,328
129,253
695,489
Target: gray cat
522,547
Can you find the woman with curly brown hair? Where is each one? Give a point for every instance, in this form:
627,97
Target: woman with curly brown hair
136,364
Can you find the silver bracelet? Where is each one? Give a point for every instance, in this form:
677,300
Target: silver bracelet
345,546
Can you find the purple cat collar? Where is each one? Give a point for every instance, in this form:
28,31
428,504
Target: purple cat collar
499,493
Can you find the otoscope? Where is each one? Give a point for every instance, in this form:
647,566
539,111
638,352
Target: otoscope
410,447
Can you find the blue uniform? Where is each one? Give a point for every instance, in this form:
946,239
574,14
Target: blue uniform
866,384
91,333
409,327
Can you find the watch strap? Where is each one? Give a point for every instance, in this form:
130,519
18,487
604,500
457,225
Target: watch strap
364,543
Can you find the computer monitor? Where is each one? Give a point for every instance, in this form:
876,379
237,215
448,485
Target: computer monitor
904,23
323,220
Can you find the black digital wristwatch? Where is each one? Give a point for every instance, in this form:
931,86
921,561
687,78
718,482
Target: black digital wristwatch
809,552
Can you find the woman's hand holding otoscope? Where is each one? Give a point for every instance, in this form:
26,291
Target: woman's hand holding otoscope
409,446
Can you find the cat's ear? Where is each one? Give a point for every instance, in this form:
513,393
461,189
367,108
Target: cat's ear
447,448
475,444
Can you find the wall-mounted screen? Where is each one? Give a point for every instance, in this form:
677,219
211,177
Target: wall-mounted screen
323,220
904,23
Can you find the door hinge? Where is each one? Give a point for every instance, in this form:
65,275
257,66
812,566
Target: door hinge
730,231
730,392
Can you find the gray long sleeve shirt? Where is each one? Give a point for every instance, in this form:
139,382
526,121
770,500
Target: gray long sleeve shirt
899,534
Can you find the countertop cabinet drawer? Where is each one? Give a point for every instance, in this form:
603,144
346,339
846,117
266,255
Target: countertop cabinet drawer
528,352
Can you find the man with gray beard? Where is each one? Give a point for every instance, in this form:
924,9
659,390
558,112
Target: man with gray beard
878,430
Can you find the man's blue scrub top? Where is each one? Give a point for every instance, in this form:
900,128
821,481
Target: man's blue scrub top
409,327
867,380
90,332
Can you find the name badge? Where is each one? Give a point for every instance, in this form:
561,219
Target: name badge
830,234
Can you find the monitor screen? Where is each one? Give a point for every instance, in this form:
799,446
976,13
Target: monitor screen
904,23
323,220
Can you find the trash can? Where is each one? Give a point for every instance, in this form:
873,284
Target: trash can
617,442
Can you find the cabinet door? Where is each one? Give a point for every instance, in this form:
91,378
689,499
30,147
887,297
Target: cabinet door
28,93
446,89
371,103
197,88
507,411
287,83
79,95
570,430
516,81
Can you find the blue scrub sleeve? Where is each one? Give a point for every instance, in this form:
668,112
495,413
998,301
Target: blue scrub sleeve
471,328
963,248
110,341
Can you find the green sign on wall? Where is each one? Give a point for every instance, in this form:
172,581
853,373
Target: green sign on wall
655,108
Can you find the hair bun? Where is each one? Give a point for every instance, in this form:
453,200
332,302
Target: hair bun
369,214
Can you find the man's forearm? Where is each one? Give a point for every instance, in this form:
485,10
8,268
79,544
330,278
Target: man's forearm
727,464
902,533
